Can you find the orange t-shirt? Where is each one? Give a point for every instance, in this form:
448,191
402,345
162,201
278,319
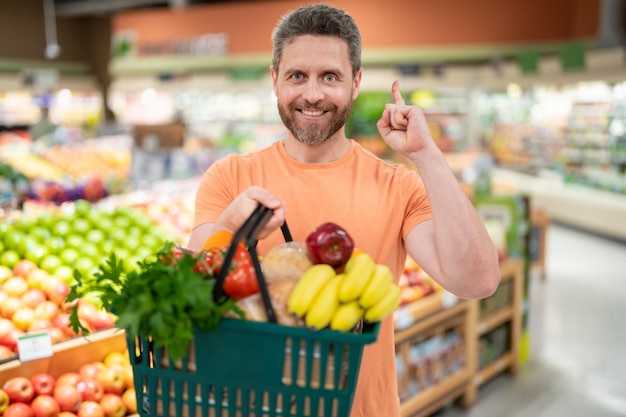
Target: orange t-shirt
378,203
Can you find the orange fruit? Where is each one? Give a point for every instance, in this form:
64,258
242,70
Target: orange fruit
218,239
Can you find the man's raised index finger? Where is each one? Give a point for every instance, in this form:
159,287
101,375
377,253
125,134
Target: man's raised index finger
395,93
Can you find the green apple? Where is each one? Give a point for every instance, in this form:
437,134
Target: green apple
69,256
122,222
62,228
90,250
50,263
105,224
39,233
118,235
132,243
65,273
36,253
82,208
81,226
24,223
85,265
55,244
13,239
96,236
46,220
74,241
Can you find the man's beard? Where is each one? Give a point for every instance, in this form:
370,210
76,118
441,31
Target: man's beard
314,133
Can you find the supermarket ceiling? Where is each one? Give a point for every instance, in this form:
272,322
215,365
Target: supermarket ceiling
79,8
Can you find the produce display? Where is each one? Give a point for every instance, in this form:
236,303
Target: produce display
415,283
41,252
101,388
173,292
32,300
78,235
88,170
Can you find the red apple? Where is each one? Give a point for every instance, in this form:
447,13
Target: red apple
58,292
19,389
10,306
5,353
18,410
90,369
62,321
57,335
112,380
86,311
90,389
70,378
112,405
47,310
102,320
67,414
36,278
23,317
6,325
10,339
4,401
15,286
68,397
330,244
129,397
43,383
39,324
23,267
3,295
89,409
45,406
33,297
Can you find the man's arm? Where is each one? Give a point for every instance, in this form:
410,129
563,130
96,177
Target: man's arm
454,247
236,214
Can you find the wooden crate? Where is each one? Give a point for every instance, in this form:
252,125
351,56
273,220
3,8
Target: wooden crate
68,355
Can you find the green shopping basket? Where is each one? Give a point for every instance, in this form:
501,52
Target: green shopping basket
251,369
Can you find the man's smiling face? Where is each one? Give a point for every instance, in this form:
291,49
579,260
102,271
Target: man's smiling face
315,87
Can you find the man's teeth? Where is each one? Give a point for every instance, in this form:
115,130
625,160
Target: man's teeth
312,113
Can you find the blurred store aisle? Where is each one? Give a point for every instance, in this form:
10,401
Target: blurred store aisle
578,361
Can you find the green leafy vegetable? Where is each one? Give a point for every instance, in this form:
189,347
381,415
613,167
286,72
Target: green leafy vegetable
166,298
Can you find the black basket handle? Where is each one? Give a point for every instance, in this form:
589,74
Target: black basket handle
247,233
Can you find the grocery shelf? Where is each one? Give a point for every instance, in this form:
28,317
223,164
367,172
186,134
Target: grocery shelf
435,314
511,269
435,397
503,363
494,320
583,207
438,318
68,355
430,316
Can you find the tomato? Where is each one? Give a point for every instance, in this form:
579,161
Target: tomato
174,255
241,279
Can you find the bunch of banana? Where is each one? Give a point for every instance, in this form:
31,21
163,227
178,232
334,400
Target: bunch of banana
364,290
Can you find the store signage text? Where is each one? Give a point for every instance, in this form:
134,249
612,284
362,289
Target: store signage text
210,44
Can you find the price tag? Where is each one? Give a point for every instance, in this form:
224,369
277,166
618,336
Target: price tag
34,345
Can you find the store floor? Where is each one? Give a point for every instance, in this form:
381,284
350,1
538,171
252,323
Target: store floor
577,365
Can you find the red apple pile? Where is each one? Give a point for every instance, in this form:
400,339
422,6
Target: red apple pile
96,389
32,300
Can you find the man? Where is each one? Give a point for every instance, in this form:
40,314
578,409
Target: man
316,174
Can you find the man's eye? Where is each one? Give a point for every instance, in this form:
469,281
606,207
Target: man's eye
297,77
330,78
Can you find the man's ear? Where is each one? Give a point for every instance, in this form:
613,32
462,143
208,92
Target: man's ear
274,75
356,84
